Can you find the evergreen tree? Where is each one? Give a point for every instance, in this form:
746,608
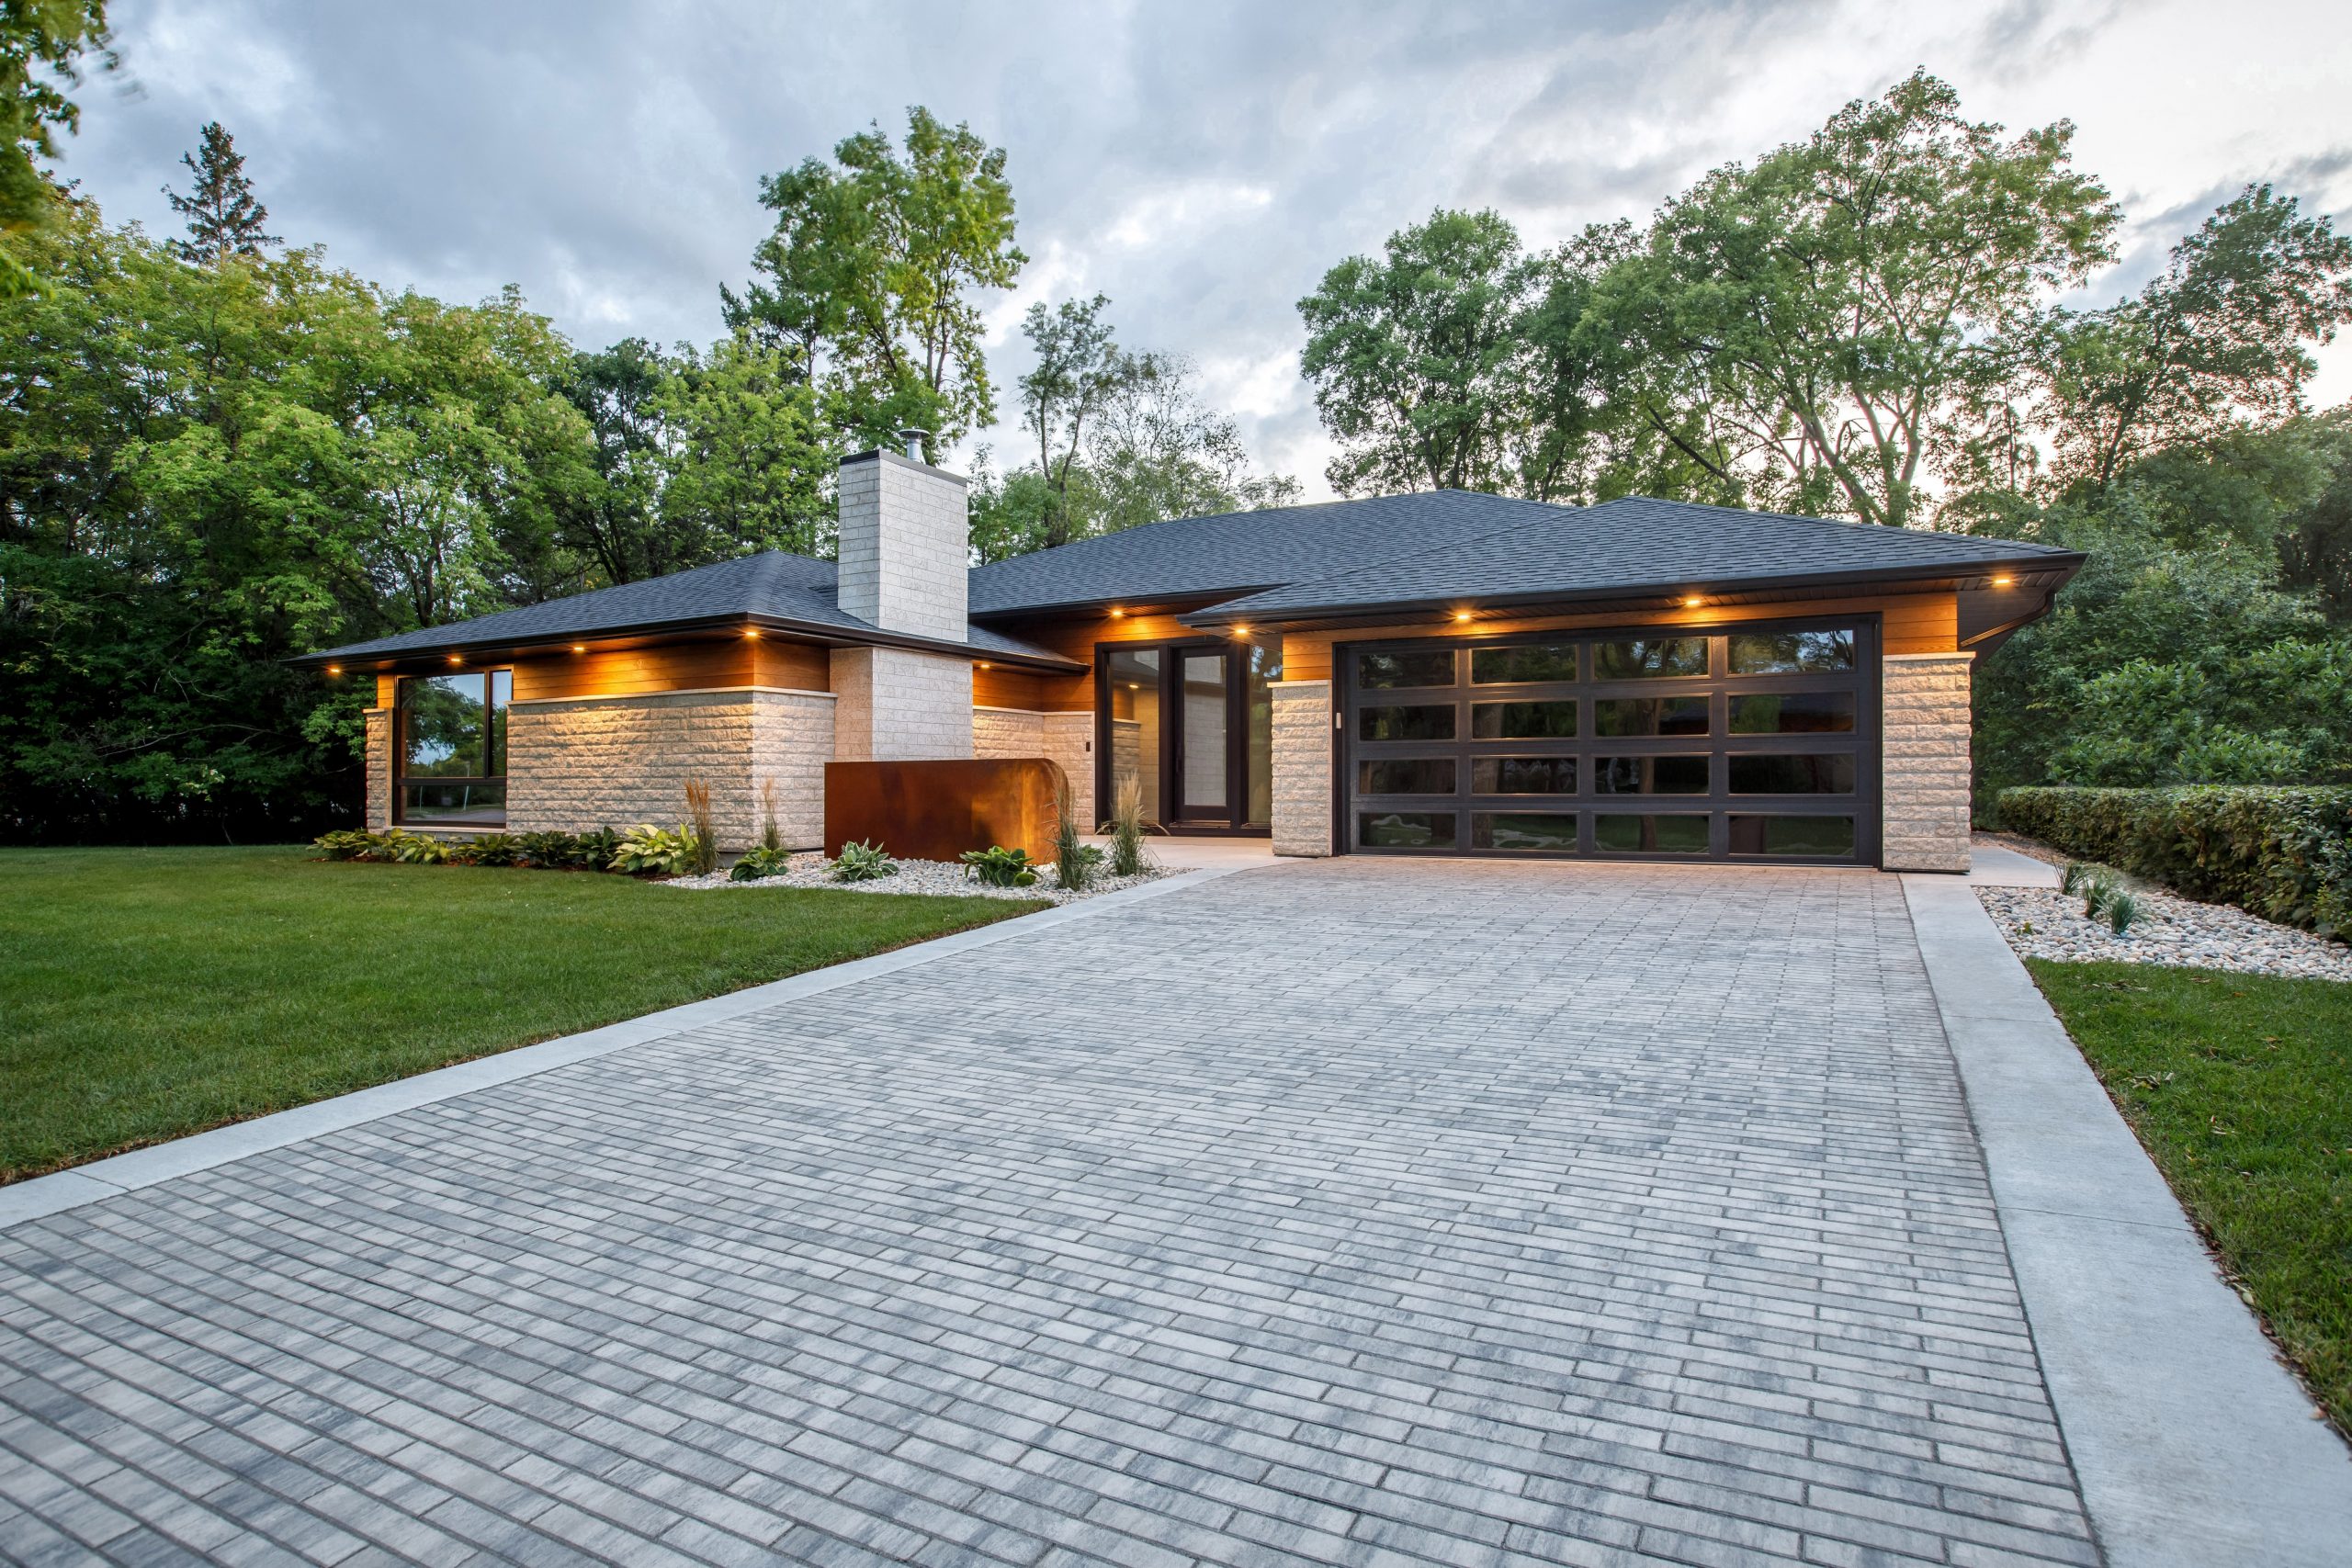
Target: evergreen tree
223,218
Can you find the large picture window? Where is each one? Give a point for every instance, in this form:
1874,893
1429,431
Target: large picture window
451,755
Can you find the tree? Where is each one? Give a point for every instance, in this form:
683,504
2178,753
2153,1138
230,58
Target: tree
873,260
1078,368
751,455
223,217
1416,357
1158,450
1855,305
2218,336
42,43
614,519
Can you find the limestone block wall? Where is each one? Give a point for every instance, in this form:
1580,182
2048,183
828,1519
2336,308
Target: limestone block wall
895,704
1068,738
1926,762
904,547
1302,767
376,810
576,764
1008,732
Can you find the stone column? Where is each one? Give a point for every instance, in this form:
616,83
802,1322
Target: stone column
1925,782
897,704
1302,767
1068,738
376,808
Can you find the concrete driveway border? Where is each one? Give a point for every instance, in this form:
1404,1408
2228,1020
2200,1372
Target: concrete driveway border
2194,1445
39,1196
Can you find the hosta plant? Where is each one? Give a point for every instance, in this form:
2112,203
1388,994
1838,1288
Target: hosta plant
596,851
997,866
646,850
759,863
862,863
493,849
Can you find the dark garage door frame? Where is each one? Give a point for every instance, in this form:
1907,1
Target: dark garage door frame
1772,827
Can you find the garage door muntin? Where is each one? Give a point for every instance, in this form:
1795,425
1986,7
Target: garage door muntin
1706,819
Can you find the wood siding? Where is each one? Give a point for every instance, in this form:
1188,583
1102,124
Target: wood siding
674,666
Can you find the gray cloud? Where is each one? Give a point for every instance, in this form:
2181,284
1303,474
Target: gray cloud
1203,164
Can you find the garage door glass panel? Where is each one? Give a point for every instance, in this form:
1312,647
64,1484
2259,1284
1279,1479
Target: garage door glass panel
1792,653
1650,716
1828,774
1385,672
1645,657
1431,723
1523,721
1523,776
1533,662
1793,712
1406,830
1406,775
1823,835
1649,775
1528,832
1650,835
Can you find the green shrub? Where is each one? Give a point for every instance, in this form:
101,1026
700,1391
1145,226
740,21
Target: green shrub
596,851
1075,863
1126,829
761,862
997,866
493,849
416,849
702,836
862,863
647,850
2122,907
350,843
549,852
2281,851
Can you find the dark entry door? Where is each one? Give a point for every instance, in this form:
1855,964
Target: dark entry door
1188,727
1203,713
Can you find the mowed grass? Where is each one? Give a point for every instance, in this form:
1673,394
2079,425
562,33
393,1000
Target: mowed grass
2241,1089
146,994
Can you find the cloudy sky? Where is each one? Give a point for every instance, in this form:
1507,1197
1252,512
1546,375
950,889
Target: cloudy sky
1201,163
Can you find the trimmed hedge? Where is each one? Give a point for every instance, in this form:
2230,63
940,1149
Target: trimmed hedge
2282,851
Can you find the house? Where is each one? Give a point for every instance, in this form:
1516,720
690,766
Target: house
1436,674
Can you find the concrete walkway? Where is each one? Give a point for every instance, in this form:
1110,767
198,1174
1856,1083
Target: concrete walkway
1356,1213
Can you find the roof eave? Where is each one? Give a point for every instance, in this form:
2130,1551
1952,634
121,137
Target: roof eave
812,631
2062,565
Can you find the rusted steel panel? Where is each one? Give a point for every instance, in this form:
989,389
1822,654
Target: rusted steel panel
937,810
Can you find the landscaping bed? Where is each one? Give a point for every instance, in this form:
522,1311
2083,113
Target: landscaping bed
927,878
2240,1088
148,994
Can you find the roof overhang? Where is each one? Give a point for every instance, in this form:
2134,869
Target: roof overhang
2026,581
422,657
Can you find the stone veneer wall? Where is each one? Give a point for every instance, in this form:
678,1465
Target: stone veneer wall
586,762
900,706
1302,767
376,806
1008,732
1926,778
904,546
1066,738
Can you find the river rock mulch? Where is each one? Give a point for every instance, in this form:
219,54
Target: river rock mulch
2174,932
935,878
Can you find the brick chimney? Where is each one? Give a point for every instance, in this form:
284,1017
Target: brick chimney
904,553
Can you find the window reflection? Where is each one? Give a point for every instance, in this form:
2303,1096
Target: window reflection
452,747
1643,657
1650,716
1136,733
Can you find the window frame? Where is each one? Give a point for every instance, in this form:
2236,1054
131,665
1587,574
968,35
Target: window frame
496,747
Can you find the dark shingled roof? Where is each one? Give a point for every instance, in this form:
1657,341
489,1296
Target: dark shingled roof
1235,551
774,588
1449,545
1636,546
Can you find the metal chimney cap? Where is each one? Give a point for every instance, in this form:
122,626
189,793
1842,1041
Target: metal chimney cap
912,437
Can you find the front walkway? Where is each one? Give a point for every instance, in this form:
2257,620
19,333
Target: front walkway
1354,1212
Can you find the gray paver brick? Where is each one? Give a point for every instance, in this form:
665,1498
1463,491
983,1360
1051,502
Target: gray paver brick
1353,1212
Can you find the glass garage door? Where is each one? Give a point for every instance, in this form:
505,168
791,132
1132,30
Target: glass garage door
1755,743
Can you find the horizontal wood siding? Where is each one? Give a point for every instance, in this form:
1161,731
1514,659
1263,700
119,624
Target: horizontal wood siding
795,666
1914,622
1074,638
674,666
997,687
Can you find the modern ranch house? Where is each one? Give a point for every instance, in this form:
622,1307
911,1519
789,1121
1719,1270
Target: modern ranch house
1431,674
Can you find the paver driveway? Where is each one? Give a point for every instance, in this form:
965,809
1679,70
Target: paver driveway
1359,1211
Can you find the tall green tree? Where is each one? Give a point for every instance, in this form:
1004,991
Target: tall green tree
2221,335
1077,368
1416,357
223,215
871,272
751,453
1858,303
42,46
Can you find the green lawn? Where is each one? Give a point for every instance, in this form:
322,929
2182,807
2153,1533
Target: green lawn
2241,1087
145,994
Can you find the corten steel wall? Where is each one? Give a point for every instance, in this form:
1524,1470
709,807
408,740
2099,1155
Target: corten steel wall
936,810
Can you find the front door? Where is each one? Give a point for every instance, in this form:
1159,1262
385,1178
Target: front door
1189,727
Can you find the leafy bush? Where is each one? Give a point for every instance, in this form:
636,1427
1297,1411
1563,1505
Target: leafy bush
864,863
2283,852
761,862
596,851
352,843
648,849
493,849
549,852
1074,863
416,849
997,866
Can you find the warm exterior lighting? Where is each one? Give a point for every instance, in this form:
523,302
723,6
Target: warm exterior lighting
1118,614
334,668
1461,614
751,631
579,647
986,665
455,660
1692,603
1241,631
2003,581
